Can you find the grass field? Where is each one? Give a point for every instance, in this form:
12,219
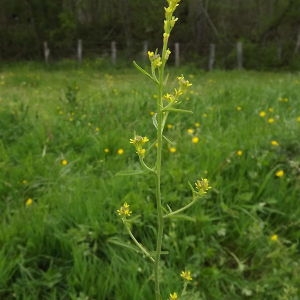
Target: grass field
64,135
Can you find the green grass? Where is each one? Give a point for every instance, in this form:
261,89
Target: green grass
70,244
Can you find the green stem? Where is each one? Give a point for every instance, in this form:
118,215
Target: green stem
140,246
181,209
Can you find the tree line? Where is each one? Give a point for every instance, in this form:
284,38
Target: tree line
269,29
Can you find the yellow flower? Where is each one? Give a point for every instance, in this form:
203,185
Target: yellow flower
271,120
186,275
106,150
170,126
190,131
239,153
138,142
298,119
279,173
197,124
172,149
195,140
64,162
124,210
262,114
274,238
97,129
274,143
173,296
202,186
271,109
28,202
120,151
238,108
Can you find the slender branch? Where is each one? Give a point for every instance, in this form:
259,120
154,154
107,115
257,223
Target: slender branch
139,245
181,209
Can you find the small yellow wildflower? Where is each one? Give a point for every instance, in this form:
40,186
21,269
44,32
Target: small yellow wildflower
120,151
173,296
239,153
24,181
274,143
170,126
190,131
186,275
64,162
279,173
195,140
274,238
271,120
298,119
124,210
271,109
202,186
28,202
172,149
106,150
138,142
97,129
152,113
238,108
262,114
197,124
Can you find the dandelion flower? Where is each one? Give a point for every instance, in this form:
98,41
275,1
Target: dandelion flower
120,151
262,114
106,150
274,238
186,275
173,296
274,143
64,162
271,120
279,173
195,140
172,149
190,131
239,153
28,202
197,124
124,210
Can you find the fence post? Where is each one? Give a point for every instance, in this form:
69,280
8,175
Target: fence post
113,52
239,53
212,55
177,54
79,51
145,50
46,52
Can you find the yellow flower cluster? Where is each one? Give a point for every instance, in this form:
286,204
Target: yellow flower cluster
173,296
138,142
186,275
183,85
202,186
124,210
155,59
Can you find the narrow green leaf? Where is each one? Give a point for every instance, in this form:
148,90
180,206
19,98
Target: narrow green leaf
144,72
130,172
178,110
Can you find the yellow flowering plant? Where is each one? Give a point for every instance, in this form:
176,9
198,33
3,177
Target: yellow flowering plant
167,101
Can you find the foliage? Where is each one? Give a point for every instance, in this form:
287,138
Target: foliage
242,241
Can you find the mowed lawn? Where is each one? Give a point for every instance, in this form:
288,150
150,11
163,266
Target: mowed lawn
64,136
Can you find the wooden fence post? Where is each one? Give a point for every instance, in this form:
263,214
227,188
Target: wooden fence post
212,55
239,53
46,52
79,51
145,50
113,52
177,54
